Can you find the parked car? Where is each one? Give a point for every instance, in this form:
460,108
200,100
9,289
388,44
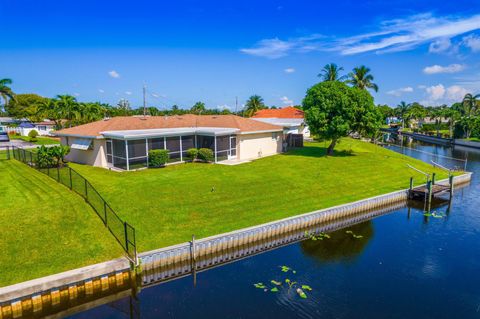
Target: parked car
4,137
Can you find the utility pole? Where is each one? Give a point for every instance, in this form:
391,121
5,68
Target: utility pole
236,104
144,99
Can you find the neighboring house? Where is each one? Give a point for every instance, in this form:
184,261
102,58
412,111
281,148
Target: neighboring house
23,127
290,118
124,142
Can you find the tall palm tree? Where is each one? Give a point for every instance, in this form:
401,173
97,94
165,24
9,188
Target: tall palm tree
471,104
401,110
253,105
331,72
6,92
361,78
68,107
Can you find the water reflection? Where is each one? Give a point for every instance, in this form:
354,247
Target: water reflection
341,246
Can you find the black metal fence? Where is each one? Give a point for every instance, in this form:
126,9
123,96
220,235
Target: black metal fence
4,153
123,232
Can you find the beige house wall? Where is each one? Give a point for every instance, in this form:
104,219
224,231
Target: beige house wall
94,157
251,146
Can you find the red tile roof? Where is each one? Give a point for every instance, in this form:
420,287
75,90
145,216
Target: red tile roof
288,112
123,123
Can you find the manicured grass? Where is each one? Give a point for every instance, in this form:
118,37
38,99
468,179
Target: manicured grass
472,139
40,140
45,228
168,205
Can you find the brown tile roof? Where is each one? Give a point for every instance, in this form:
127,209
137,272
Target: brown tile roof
288,112
123,123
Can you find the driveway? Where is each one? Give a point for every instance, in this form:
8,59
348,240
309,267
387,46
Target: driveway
18,143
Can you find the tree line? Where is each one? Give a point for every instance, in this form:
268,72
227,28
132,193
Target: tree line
462,118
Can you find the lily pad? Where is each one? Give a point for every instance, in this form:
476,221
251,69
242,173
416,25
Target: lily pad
276,283
306,287
260,285
301,293
274,289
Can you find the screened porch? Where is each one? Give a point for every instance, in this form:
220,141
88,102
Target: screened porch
129,150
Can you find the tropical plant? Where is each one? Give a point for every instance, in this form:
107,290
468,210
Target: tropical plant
58,153
198,108
68,108
26,106
334,110
253,105
471,104
6,92
401,111
331,72
361,78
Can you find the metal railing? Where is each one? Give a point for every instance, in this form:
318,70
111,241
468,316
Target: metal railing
4,152
123,232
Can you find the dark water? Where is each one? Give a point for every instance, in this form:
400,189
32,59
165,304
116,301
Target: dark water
405,266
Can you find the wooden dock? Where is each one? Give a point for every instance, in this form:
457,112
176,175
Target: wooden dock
422,191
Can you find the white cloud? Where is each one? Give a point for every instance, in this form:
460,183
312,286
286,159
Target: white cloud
440,45
224,107
286,100
400,91
76,94
473,42
128,93
436,92
439,94
456,93
452,68
101,91
114,74
391,36
275,48
289,70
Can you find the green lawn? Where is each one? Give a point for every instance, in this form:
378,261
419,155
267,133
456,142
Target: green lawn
168,205
39,140
45,228
472,139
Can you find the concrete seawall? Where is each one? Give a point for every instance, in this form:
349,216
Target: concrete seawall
44,295
188,254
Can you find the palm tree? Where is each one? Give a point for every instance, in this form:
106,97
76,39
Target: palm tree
362,79
471,104
253,105
331,72
68,107
6,92
198,108
401,111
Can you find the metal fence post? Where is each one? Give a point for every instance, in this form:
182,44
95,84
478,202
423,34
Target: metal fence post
8,152
433,179
58,174
126,236
105,211
86,192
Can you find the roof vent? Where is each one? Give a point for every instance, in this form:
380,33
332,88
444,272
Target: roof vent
106,118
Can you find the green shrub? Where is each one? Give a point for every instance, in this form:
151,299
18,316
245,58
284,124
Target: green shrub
205,154
192,154
33,135
52,156
157,158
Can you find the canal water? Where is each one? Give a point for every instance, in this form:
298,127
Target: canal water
404,264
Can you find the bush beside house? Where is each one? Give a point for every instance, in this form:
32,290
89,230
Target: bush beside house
205,154
33,135
192,154
157,158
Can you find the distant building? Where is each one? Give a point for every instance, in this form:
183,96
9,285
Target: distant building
23,127
291,118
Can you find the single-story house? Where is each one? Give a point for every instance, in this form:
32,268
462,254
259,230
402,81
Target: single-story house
290,118
23,127
124,142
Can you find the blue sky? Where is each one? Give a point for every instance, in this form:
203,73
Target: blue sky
213,51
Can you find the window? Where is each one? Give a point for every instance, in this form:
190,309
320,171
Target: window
156,143
274,136
41,127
